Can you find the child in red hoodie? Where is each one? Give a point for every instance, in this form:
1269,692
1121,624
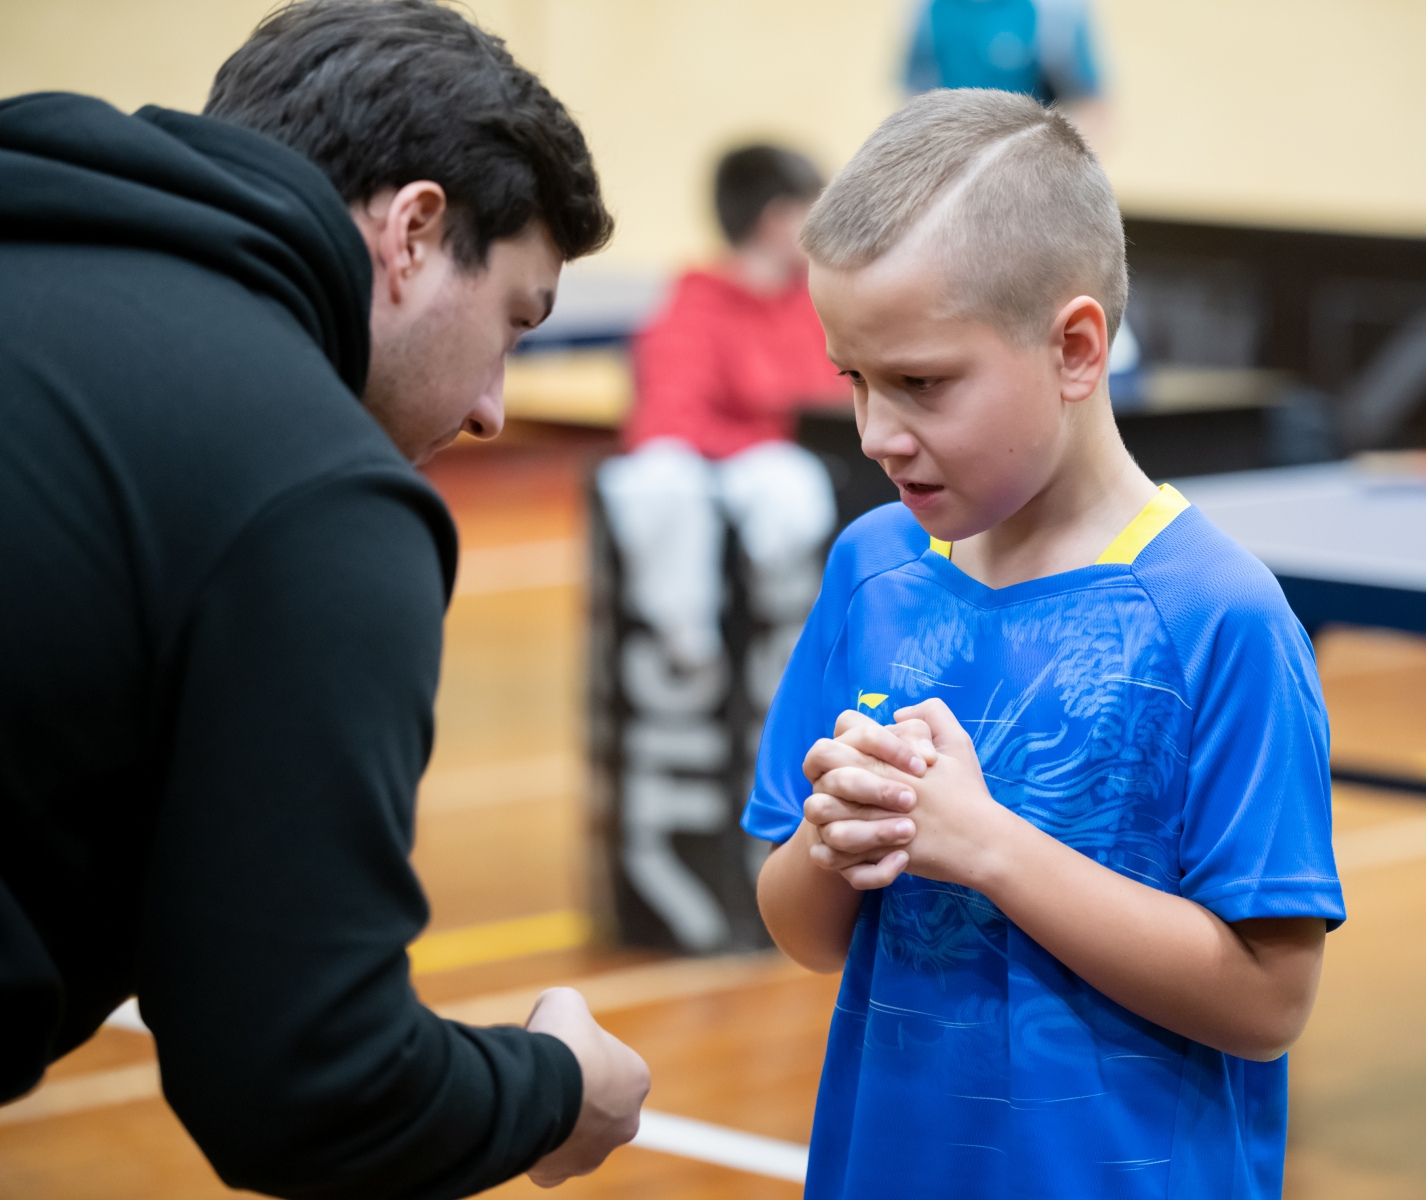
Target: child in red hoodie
738,348
720,374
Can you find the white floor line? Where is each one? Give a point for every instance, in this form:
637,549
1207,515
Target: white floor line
126,1016
725,1147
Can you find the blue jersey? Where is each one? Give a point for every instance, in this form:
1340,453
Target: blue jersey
1160,712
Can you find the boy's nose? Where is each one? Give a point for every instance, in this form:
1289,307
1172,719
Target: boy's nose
883,435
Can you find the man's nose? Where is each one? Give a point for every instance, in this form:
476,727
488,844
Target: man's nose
883,435
487,415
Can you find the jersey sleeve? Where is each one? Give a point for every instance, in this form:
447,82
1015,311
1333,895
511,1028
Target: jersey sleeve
1257,824
797,718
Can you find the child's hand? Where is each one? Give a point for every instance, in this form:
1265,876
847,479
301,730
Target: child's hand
862,791
957,823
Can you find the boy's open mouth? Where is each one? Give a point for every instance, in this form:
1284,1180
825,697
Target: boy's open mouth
918,495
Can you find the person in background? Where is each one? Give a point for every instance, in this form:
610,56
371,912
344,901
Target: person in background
720,373
1043,48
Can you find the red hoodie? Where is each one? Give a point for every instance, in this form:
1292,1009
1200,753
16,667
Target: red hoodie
724,368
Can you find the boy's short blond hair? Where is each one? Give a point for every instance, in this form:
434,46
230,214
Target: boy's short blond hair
1027,217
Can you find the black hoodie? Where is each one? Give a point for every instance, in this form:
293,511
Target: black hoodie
221,596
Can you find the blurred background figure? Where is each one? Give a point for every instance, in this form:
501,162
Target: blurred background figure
697,632
720,374
1044,48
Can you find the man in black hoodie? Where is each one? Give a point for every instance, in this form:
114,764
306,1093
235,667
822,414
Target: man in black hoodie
222,587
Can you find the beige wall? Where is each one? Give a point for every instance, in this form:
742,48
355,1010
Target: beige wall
1276,111
1300,112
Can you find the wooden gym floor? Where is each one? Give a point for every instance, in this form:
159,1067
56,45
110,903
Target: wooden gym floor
504,848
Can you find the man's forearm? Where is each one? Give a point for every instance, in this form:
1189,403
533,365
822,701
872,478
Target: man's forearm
1246,990
809,912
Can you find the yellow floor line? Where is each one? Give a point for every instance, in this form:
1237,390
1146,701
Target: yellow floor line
498,940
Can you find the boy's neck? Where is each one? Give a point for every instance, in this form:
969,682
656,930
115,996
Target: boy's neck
1097,490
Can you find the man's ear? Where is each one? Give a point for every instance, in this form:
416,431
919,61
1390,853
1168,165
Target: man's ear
1081,335
405,230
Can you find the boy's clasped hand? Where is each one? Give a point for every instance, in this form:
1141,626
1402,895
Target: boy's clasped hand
905,797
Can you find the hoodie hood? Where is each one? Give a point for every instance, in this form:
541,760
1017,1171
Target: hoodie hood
74,169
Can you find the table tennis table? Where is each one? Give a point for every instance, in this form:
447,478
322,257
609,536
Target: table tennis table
1346,540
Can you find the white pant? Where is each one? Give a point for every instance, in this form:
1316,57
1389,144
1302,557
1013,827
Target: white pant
667,504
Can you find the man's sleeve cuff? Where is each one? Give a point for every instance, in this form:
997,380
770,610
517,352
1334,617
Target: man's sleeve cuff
560,1059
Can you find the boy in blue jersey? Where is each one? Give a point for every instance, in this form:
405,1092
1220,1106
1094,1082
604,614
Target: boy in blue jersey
1069,830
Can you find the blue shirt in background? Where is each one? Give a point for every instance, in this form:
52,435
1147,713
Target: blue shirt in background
1040,47
1161,715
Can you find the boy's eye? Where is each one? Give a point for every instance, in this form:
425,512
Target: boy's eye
854,376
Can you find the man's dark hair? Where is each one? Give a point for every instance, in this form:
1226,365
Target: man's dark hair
752,177
381,93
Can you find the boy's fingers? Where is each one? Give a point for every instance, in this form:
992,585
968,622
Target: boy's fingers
821,808
911,729
857,837
877,741
827,754
849,718
857,785
946,733
867,876
917,734
828,859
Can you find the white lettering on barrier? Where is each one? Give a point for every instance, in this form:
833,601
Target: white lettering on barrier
673,729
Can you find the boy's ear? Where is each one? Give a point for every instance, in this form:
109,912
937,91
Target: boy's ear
1081,335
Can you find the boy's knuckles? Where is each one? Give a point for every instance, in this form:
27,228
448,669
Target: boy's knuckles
914,730
850,718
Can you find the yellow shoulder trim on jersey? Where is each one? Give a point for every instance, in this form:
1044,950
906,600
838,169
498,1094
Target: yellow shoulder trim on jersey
941,548
1152,520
